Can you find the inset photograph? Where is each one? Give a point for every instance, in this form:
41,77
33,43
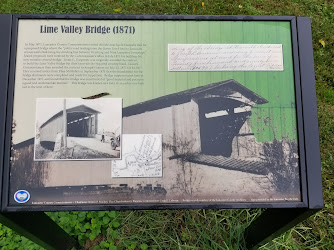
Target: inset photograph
78,129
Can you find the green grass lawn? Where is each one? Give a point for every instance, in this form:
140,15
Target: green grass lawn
202,229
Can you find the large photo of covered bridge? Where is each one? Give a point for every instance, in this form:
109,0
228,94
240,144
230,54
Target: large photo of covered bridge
211,150
75,128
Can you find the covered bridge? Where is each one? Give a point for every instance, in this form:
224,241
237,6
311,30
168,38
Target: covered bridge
203,120
82,121
200,127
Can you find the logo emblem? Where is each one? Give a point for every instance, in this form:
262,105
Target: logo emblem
21,196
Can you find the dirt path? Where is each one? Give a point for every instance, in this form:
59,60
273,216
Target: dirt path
94,144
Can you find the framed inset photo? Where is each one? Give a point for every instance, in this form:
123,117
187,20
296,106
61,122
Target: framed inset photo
78,129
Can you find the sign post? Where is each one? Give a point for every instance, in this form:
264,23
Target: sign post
39,228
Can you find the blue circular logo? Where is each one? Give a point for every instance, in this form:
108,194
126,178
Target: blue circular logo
21,196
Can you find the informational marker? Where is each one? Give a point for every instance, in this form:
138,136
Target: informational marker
202,117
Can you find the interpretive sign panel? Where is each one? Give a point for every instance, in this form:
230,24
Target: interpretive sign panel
161,112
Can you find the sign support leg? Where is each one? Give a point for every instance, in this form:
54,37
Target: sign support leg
39,228
272,223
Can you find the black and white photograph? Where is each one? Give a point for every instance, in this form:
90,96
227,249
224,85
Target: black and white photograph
209,150
78,129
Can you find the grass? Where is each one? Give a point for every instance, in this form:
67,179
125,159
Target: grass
203,229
